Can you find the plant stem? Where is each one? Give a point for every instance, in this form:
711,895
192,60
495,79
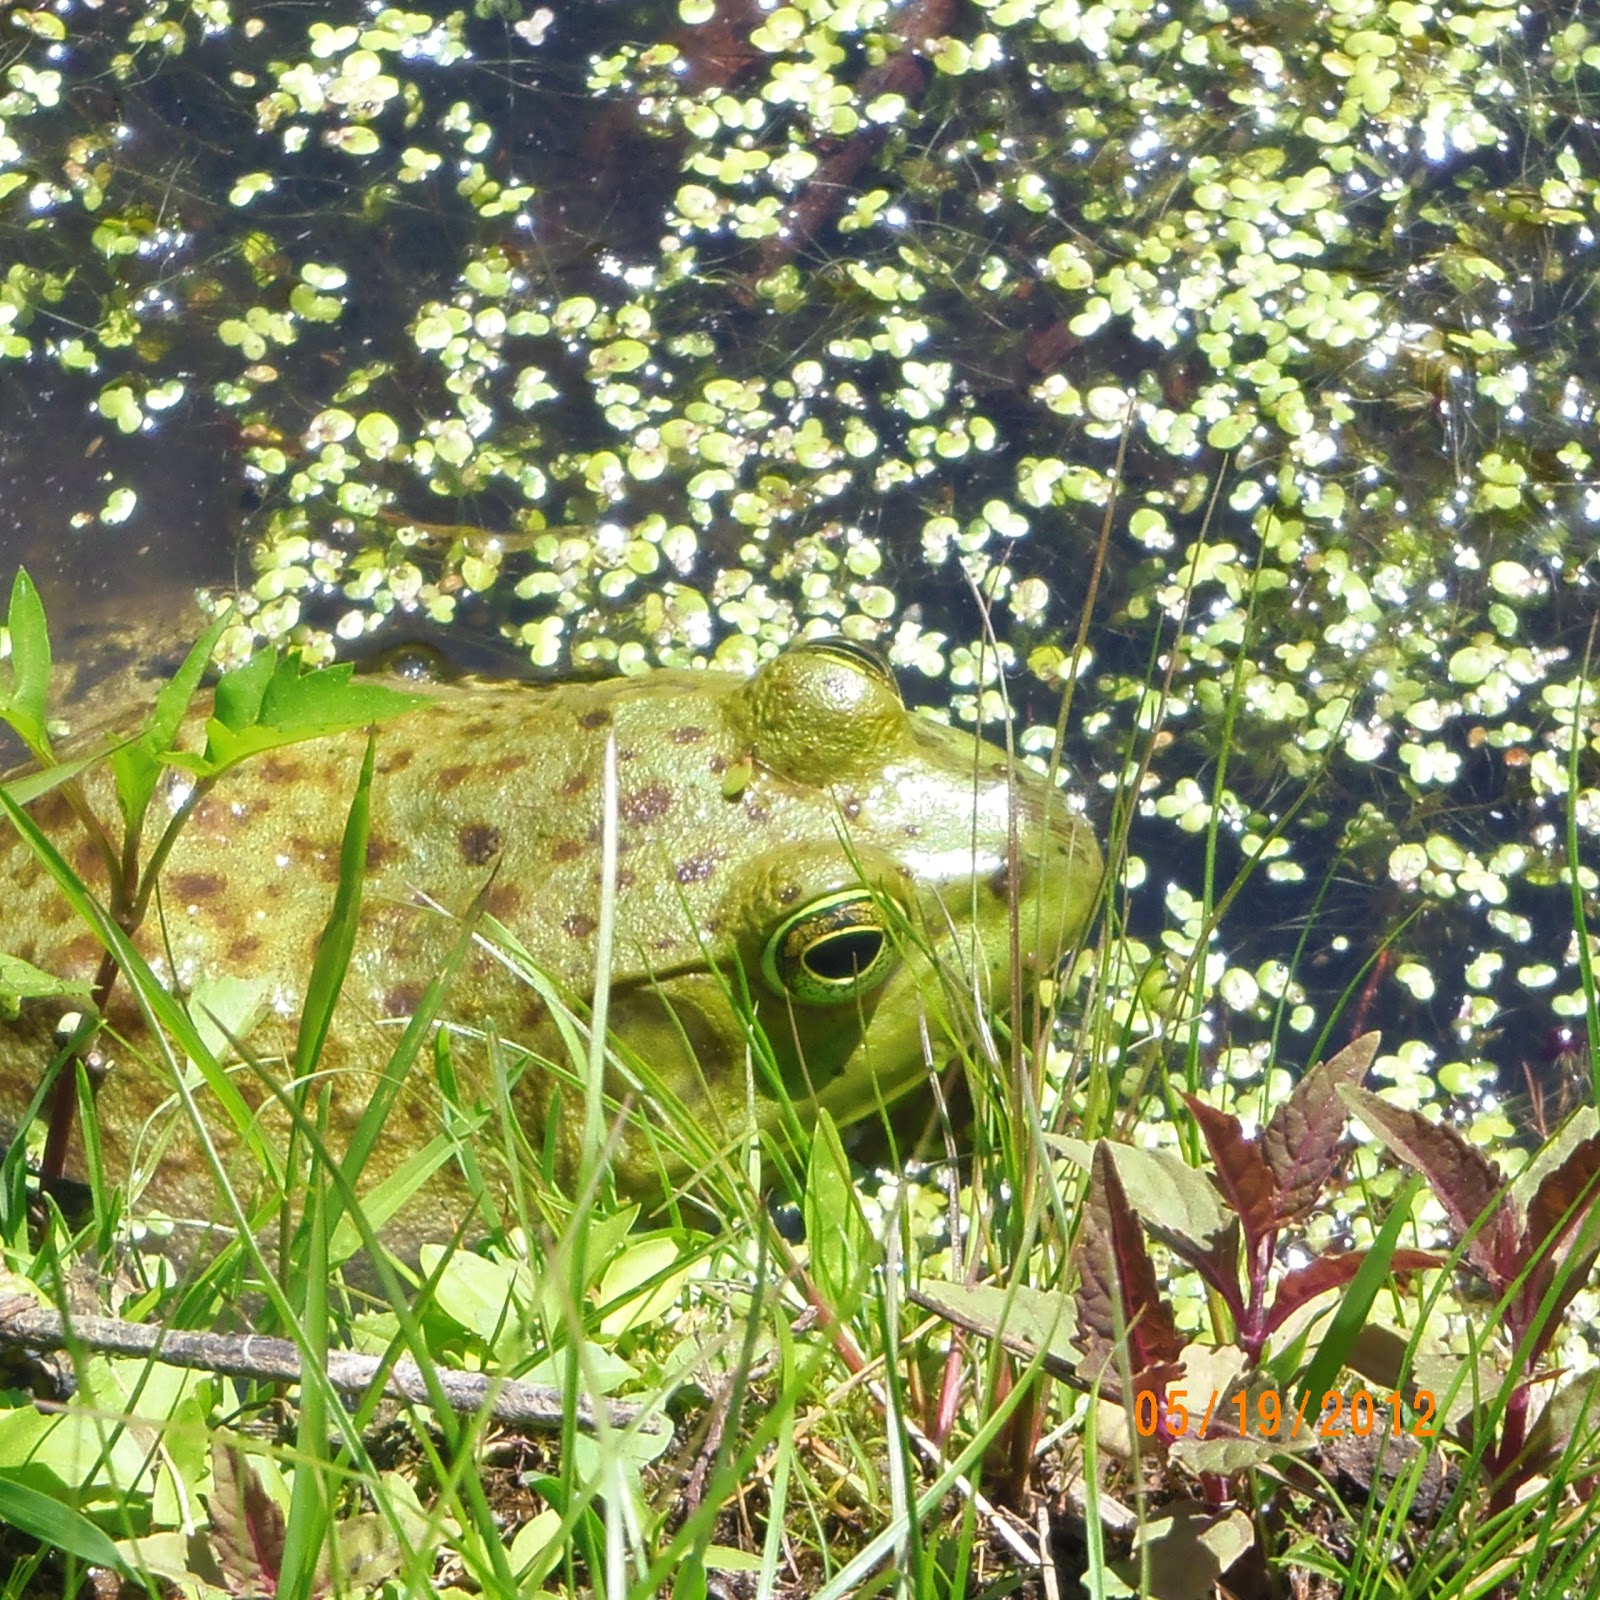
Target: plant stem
64,1096
158,856
130,900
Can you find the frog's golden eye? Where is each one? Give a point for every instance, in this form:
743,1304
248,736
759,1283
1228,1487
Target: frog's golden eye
831,950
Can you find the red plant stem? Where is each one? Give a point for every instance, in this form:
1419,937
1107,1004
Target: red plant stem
1502,1456
944,1418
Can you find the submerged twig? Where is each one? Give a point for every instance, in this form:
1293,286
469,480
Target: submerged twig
535,1406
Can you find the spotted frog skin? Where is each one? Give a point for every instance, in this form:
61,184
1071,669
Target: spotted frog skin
798,838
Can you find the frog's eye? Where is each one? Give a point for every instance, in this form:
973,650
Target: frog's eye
831,950
846,652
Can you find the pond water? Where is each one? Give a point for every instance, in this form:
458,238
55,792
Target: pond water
616,335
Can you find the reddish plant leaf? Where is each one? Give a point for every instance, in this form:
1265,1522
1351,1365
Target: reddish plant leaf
1301,1143
1117,1287
1467,1182
1570,1188
1154,1381
1246,1179
1218,1263
1582,1265
246,1525
1100,1371
1333,1272
1555,1214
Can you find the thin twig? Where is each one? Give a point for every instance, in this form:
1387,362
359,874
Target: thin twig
535,1406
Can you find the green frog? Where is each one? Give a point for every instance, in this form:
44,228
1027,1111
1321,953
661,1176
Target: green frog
794,850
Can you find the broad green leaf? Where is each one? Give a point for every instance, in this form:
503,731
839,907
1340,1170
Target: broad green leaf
642,1283
267,704
227,1009
137,766
26,701
485,1297
1165,1190
1027,1321
330,698
1183,1555
57,1526
240,692
20,980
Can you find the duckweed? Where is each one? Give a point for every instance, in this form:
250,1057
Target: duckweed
873,325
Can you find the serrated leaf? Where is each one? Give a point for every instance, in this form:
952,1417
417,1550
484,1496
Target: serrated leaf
1176,1202
237,702
267,704
247,1524
1560,1207
329,700
1301,1284
1583,1124
1573,1412
1559,1203
136,766
1118,1292
1179,1207
1246,1179
1378,1354
1467,1184
1301,1141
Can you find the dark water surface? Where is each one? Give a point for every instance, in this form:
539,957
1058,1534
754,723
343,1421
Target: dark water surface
609,338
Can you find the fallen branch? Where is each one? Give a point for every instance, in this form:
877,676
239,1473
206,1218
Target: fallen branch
535,1406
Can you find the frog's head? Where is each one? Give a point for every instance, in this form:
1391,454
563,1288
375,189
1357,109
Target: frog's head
889,869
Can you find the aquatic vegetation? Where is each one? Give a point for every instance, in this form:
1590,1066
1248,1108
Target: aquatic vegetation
1332,258
663,348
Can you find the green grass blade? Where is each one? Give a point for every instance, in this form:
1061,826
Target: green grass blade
339,934
57,1526
163,1014
1356,1305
